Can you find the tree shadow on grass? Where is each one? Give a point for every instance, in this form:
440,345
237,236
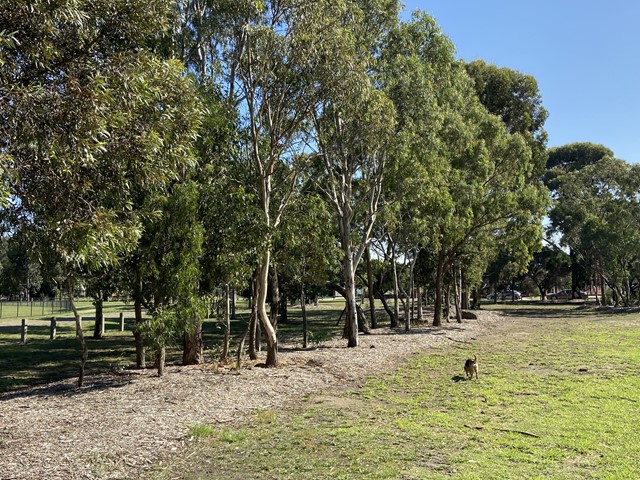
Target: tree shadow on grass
547,311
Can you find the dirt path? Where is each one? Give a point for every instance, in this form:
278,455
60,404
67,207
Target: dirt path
121,425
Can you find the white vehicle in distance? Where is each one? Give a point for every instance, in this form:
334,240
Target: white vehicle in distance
506,295
567,295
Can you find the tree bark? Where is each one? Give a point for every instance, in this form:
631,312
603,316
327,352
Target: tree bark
385,305
98,326
370,291
83,342
351,321
447,302
305,323
234,298
274,287
268,329
227,326
396,293
361,319
458,296
464,288
137,334
253,319
437,314
193,346
160,360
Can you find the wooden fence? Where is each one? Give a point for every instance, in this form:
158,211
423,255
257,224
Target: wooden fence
53,325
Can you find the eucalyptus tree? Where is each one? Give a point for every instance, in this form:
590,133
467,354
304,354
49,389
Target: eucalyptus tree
597,214
172,251
88,116
415,58
263,56
565,159
489,185
354,123
548,268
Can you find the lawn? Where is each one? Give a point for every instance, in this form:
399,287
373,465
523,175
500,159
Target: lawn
557,398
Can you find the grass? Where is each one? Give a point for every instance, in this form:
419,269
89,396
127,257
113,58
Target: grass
557,398
42,360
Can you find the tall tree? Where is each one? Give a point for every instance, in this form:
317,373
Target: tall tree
563,160
597,215
88,116
354,122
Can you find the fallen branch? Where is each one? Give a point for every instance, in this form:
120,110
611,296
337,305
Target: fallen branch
456,340
508,430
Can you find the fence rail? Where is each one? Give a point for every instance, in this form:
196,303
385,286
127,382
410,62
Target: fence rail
38,307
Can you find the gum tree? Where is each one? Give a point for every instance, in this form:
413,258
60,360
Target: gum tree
354,122
88,116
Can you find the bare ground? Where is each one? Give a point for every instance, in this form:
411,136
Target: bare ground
121,425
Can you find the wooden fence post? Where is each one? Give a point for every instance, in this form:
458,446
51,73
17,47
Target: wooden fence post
52,328
122,321
23,332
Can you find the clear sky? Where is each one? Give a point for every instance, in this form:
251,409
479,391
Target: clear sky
585,55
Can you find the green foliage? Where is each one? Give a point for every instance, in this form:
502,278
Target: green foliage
94,118
597,213
516,99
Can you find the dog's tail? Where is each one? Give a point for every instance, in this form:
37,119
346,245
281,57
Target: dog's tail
475,359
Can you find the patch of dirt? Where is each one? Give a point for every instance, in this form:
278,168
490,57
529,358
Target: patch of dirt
121,425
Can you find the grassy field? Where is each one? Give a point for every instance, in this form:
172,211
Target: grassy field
557,398
42,360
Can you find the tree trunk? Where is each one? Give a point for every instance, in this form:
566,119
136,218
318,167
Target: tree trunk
275,296
407,325
267,328
193,349
420,311
602,290
305,323
385,305
396,290
458,295
160,359
370,290
137,334
437,314
227,326
351,321
98,326
284,309
253,320
234,298
464,288
83,343
447,302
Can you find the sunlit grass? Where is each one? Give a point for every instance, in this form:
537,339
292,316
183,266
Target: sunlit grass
556,398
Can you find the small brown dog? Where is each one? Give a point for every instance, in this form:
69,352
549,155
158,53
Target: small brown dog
471,367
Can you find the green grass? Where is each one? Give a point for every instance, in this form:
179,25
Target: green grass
557,398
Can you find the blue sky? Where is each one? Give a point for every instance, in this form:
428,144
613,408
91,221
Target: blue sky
584,54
